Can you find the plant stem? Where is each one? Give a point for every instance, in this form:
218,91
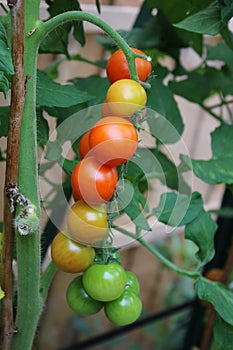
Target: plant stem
29,303
159,256
11,176
45,28
209,110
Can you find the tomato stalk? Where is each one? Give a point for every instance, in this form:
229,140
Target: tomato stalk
192,274
53,23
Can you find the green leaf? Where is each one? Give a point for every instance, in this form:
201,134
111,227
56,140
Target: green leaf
218,295
207,21
201,231
218,169
178,209
222,53
57,40
95,86
52,94
202,83
128,202
2,293
226,10
4,116
223,334
42,129
168,125
6,65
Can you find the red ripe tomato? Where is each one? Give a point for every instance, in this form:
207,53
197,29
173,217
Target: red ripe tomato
70,256
93,182
84,146
117,66
125,97
86,224
113,140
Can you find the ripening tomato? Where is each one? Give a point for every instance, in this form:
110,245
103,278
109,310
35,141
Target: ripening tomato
93,182
125,97
71,256
79,301
124,310
84,147
104,282
117,67
113,140
87,224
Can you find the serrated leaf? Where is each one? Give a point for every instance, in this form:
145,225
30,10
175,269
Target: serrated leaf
52,94
167,126
4,116
176,209
218,169
223,334
201,231
95,86
218,295
129,203
207,21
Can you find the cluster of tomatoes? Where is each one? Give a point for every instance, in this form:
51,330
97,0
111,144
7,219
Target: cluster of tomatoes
111,142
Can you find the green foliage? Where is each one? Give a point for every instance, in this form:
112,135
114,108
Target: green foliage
218,169
223,334
4,114
6,65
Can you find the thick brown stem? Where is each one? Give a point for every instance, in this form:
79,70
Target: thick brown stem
17,103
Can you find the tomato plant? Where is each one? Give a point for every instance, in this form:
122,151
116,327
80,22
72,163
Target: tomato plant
113,140
84,147
117,67
124,310
104,282
125,97
79,301
87,224
70,256
93,182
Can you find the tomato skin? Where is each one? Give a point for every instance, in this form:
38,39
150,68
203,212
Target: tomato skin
125,97
132,283
104,282
117,67
93,182
70,256
79,301
113,140
87,224
84,147
124,310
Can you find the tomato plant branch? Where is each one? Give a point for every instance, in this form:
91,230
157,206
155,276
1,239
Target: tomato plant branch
159,256
11,176
46,280
29,303
45,28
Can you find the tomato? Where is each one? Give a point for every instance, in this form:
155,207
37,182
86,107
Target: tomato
117,67
124,310
125,97
104,282
113,140
70,256
87,224
93,182
132,283
84,147
79,301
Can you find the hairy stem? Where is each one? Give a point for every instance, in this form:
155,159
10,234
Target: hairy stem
45,28
11,176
